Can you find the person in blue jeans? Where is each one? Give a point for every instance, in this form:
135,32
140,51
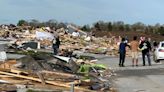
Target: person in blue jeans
145,46
122,52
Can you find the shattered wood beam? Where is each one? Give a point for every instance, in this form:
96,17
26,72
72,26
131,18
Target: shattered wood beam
48,82
59,73
14,71
5,76
2,69
40,75
18,71
20,76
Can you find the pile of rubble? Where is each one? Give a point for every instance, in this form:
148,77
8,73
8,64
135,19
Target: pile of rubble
77,73
27,67
82,41
88,44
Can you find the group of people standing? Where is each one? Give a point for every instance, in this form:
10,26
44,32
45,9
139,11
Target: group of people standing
135,46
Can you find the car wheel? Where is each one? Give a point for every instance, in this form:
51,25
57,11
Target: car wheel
157,61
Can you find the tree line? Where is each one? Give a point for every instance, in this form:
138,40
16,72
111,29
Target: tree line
100,26
35,23
121,26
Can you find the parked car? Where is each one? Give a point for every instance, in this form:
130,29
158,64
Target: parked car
159,52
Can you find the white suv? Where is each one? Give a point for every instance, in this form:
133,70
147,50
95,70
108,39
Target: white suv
159,52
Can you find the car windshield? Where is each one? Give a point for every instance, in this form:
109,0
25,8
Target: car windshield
162,45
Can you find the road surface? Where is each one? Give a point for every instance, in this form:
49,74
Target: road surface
136,79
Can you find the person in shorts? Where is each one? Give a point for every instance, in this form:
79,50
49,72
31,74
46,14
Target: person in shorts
134,50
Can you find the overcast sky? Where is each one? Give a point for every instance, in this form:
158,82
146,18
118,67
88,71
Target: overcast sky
83,11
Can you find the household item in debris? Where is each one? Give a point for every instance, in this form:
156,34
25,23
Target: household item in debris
44,35
3,47
66,63
3,56
66,59
32,45
100,86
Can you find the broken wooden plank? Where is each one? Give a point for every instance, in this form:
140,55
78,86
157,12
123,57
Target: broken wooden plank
40,75
18,71
5,76
38,80
75,82
3,69
7,64
58,73
14,71
4,81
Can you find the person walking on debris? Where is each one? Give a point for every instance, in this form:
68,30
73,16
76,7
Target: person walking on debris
134,50
56,44
145,46
122,51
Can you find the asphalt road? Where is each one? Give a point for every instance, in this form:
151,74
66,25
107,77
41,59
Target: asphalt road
136,79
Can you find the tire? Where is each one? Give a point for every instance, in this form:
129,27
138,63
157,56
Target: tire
157,61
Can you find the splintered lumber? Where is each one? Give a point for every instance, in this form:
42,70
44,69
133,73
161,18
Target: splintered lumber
14,71
18,71
20,76
5,76
8,64
6,70
41,77
58,73
38,80
75,82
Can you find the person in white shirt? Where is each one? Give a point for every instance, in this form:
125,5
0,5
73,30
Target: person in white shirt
76,33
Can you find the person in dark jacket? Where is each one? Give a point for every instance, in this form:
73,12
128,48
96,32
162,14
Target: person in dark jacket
145,46
56,44
122,51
